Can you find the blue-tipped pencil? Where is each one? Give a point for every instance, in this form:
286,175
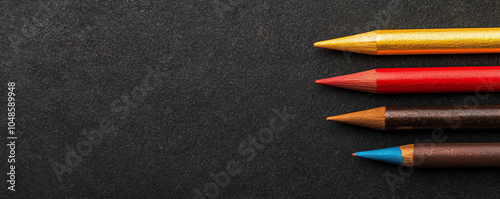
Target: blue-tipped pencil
438,155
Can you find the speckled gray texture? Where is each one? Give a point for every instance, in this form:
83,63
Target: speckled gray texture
150,99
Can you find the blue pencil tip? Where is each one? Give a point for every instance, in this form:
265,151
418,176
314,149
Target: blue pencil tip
389,155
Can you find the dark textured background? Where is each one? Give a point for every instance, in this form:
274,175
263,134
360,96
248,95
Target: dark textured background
175,87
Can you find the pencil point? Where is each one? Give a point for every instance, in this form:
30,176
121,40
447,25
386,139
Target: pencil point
326,81
389,155
360,43
324,44
354,154
363,81
371,118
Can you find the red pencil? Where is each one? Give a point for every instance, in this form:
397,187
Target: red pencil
420,80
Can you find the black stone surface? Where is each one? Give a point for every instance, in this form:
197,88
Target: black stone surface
180,89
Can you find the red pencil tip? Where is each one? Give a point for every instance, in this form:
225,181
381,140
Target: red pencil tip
354,154
362,81
332,81
322,81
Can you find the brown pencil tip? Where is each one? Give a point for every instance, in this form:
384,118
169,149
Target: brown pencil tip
371,118
363,81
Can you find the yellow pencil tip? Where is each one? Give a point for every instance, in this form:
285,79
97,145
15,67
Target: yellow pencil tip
360,43
319,44
330,44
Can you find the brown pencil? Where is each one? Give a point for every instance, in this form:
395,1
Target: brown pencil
424,117
438,155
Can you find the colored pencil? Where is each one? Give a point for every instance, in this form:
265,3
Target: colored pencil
424,117
420,80
419,41
438,155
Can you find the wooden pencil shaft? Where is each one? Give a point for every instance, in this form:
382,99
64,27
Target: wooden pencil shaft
419,41
438,79
438,41
456,155
445,117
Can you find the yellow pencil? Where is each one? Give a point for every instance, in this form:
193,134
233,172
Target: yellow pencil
419,41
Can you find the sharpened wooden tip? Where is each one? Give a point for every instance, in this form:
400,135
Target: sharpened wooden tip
371,118
363,81
407,153
361,43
